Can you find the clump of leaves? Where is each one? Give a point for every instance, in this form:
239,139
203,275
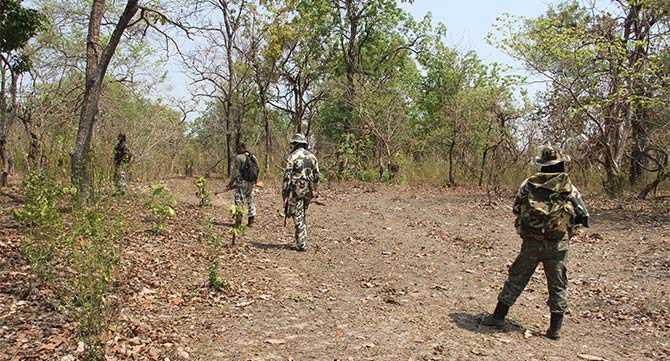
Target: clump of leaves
44,221
237,230
161,204
211,235
93,256
201,192
214,279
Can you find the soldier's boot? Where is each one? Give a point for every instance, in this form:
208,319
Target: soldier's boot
250,221
497,319
554,331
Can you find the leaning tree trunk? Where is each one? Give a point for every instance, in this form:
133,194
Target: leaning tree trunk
7,120
97,61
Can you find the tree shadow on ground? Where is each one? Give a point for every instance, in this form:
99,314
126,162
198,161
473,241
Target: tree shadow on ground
273,246
470,322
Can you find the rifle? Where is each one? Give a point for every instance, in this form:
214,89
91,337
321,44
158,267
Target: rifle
226,190
285,211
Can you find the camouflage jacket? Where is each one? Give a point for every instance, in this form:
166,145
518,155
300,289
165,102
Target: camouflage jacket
121,154
558,182
238,164
301,174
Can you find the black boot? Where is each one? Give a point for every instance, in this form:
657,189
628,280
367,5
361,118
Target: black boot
497,319
250,222
554,331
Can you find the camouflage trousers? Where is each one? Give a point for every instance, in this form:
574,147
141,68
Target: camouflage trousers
554,257
244,197
297,209
120,181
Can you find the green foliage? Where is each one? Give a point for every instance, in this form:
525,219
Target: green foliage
81,245
213,238
93,256
17,26
44,221
214,279
201,192
161,204
238,229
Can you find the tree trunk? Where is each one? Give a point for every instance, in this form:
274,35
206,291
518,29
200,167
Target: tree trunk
97,61
268,136
638,160
35,163
4,128
451,181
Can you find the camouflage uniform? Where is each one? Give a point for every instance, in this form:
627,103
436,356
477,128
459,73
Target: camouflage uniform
244,190
552,252
301,178
548,208
122,159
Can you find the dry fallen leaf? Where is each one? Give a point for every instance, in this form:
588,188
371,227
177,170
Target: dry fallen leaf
273,341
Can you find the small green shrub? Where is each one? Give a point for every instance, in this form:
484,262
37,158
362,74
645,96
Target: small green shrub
161,204
44,223
40,208
205,199
215,281
93,256
238,228
213,238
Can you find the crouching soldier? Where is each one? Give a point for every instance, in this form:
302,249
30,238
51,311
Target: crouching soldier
300,185
548,209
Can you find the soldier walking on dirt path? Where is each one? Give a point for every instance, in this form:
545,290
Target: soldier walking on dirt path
243,179
548,209
300,186
122,158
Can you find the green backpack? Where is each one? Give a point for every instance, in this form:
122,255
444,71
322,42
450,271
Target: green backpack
547,211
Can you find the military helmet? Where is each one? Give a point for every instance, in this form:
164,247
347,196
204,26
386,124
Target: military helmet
298,138
550,156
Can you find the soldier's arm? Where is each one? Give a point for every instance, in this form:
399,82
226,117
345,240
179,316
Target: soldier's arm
582,213
287,176
521,194
317,172
234,173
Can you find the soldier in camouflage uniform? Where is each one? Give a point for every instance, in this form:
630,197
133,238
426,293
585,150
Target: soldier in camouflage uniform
548,209
244,188
122,158
300,186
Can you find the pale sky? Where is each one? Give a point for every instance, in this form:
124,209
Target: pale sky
468,23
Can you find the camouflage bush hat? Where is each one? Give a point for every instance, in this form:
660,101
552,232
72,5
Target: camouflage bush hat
298,138
550,156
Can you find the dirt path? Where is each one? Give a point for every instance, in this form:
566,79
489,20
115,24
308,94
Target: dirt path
391,273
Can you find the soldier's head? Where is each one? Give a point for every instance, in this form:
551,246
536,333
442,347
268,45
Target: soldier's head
241,148
551,160
121,138
299,141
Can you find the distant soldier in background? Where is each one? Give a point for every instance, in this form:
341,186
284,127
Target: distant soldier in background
300,186
122,158
548,209
243,179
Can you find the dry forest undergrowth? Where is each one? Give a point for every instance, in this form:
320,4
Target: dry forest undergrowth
391,273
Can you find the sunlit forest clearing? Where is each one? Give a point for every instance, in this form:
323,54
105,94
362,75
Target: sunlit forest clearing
335,180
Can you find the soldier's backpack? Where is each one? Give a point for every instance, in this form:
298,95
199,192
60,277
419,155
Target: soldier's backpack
547,212
302,176
250,170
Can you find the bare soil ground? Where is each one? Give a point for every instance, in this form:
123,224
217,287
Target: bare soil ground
391,273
